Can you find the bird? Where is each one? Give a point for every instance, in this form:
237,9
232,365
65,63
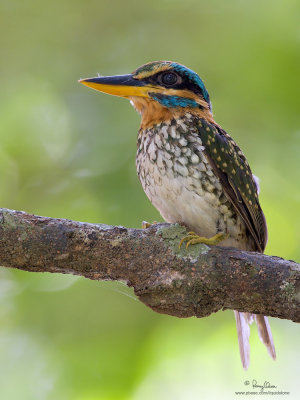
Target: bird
191,170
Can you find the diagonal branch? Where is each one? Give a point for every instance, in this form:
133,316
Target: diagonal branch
183,283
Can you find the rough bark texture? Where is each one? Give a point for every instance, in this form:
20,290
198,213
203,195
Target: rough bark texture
180,282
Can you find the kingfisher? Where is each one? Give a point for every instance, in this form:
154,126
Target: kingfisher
192,171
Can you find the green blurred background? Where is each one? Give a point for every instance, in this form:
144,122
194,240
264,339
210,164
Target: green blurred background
67,151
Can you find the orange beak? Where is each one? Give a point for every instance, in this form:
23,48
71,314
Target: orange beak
118,85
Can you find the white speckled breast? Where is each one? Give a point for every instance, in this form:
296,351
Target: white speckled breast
180,183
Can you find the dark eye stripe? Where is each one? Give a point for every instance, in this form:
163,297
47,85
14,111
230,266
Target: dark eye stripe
183,81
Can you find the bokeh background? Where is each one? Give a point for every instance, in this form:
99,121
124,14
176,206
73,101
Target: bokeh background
67,151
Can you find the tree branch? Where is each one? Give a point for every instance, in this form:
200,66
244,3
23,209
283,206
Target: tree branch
188,282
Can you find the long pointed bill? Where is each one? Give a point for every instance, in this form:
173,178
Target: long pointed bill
119,85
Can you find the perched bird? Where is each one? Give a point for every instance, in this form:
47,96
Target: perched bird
191,169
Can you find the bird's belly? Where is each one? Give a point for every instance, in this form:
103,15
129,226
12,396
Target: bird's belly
177,203
196,200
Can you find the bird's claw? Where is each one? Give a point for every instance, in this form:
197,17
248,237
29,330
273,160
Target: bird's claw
193,238
146,224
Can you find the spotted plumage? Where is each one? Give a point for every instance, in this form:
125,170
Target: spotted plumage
179,180
191,169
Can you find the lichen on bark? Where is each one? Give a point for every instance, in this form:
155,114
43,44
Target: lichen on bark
180,282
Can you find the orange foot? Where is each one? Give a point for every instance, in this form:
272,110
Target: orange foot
146,224
193,238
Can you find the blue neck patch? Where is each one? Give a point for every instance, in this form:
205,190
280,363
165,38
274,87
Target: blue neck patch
174,101
192,77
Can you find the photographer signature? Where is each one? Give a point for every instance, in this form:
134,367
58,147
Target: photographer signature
265,385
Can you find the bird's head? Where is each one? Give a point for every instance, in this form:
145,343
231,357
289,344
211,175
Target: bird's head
158,90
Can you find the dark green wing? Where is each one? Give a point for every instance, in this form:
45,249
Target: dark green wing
231,167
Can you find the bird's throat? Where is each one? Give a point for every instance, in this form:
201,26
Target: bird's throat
153,113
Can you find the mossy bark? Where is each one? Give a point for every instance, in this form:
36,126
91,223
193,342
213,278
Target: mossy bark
182,282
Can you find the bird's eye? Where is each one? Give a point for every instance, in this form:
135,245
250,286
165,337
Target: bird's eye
169,78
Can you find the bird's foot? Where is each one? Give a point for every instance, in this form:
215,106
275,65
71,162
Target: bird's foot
146,224
193,238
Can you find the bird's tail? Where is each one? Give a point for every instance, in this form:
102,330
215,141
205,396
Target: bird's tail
265,334
243,320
